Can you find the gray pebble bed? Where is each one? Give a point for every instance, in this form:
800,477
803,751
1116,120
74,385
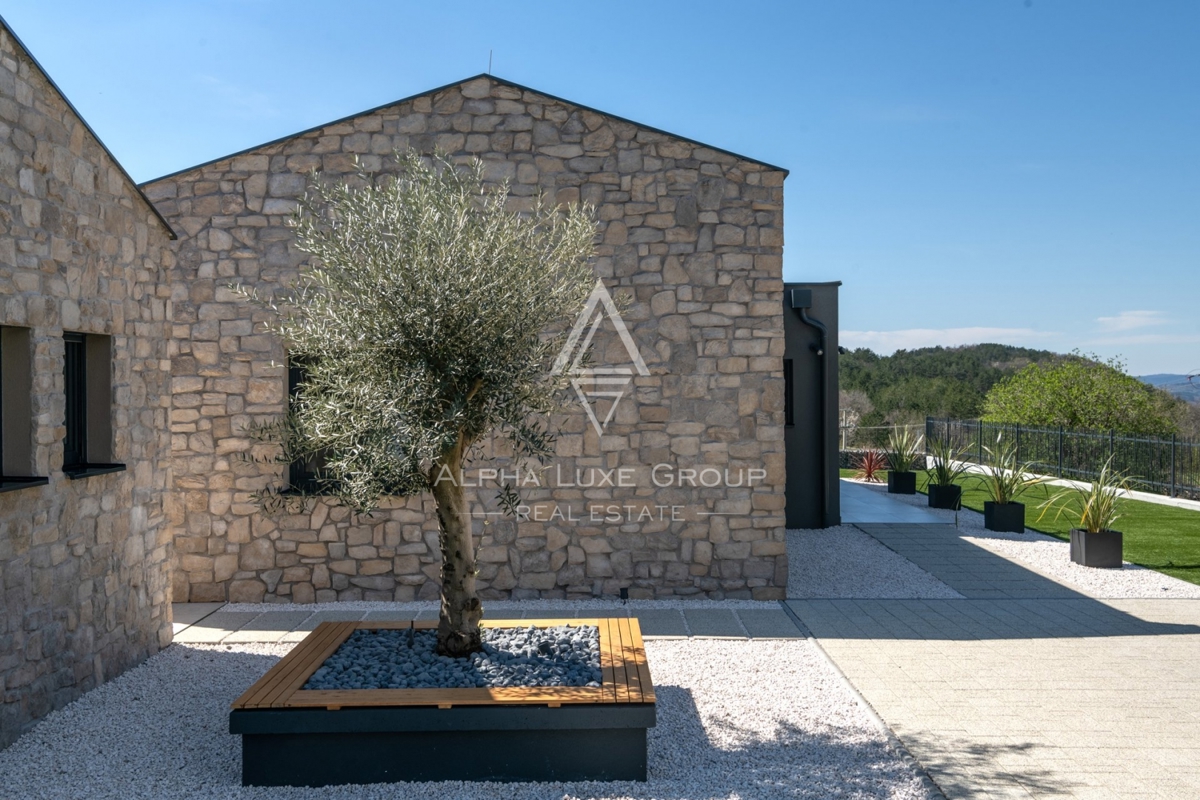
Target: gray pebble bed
567,655
736,719
845,562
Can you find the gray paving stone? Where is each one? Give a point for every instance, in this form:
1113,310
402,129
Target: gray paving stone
190,613
769,624
389,616
661,622
215,626
347,615
717,622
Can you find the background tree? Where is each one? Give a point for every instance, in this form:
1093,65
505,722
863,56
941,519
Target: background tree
426,321
1083,393
909,385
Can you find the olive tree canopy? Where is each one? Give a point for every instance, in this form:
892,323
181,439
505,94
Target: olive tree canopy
428,318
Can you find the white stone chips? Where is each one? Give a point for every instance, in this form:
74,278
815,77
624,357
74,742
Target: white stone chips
845,562
773,721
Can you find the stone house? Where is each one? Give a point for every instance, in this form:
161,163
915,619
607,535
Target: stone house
85,543
691,233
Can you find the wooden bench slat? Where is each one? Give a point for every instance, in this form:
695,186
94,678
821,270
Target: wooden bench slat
339,632
643,666
632,677
299,655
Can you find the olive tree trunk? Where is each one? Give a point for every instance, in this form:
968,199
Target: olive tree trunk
458,624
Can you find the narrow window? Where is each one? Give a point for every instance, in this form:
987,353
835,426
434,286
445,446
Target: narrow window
303,474
789,404
16,411
87,384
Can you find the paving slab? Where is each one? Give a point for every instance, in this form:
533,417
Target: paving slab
269,626
769,624
713,622
863,504
338,615
389,616
185,614
661,622
215,627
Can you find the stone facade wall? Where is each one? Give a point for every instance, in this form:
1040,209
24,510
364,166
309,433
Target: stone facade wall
693,235
84,564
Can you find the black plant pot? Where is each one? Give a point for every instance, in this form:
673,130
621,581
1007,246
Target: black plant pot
902,483
1004,517
945,496
1100,549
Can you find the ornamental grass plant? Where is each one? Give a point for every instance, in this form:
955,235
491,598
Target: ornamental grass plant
1096,506
1005,477
947,464
903,449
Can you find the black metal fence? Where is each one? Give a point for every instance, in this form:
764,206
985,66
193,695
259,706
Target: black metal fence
1163,466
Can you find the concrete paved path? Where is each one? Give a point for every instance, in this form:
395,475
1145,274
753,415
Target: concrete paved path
1026,688
862,504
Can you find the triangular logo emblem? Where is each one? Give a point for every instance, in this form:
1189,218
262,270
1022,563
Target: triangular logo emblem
594,384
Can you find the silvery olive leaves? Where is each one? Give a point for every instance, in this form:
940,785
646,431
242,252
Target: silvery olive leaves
428,316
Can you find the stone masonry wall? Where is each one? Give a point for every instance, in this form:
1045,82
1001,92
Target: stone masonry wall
693,235
84,564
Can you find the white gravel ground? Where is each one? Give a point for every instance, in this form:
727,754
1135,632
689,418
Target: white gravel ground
1052,557
845,562
772,722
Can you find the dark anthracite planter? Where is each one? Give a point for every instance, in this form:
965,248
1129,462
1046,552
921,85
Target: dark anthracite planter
945,496
1004,517
902,483
1100,549
316,747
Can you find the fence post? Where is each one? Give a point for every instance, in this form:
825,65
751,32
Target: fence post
1173,440
1017,436
1060,450
980,457
1112,443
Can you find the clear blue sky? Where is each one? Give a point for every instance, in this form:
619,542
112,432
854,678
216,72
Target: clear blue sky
1023,171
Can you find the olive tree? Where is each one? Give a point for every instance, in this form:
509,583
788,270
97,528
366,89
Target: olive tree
428,318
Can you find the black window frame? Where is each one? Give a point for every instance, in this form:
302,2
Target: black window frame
16,411
88,400
304,475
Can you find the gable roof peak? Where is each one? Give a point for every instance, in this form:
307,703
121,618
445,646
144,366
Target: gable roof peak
460,84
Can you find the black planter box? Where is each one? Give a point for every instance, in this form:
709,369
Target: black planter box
1004,517
316,747
902,483
1101,549
945,496
293,736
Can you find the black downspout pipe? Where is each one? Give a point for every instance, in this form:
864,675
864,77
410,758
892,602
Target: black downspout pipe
801,302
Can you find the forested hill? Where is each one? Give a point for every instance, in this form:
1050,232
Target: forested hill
935,381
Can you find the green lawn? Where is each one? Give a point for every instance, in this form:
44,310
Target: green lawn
1159,537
